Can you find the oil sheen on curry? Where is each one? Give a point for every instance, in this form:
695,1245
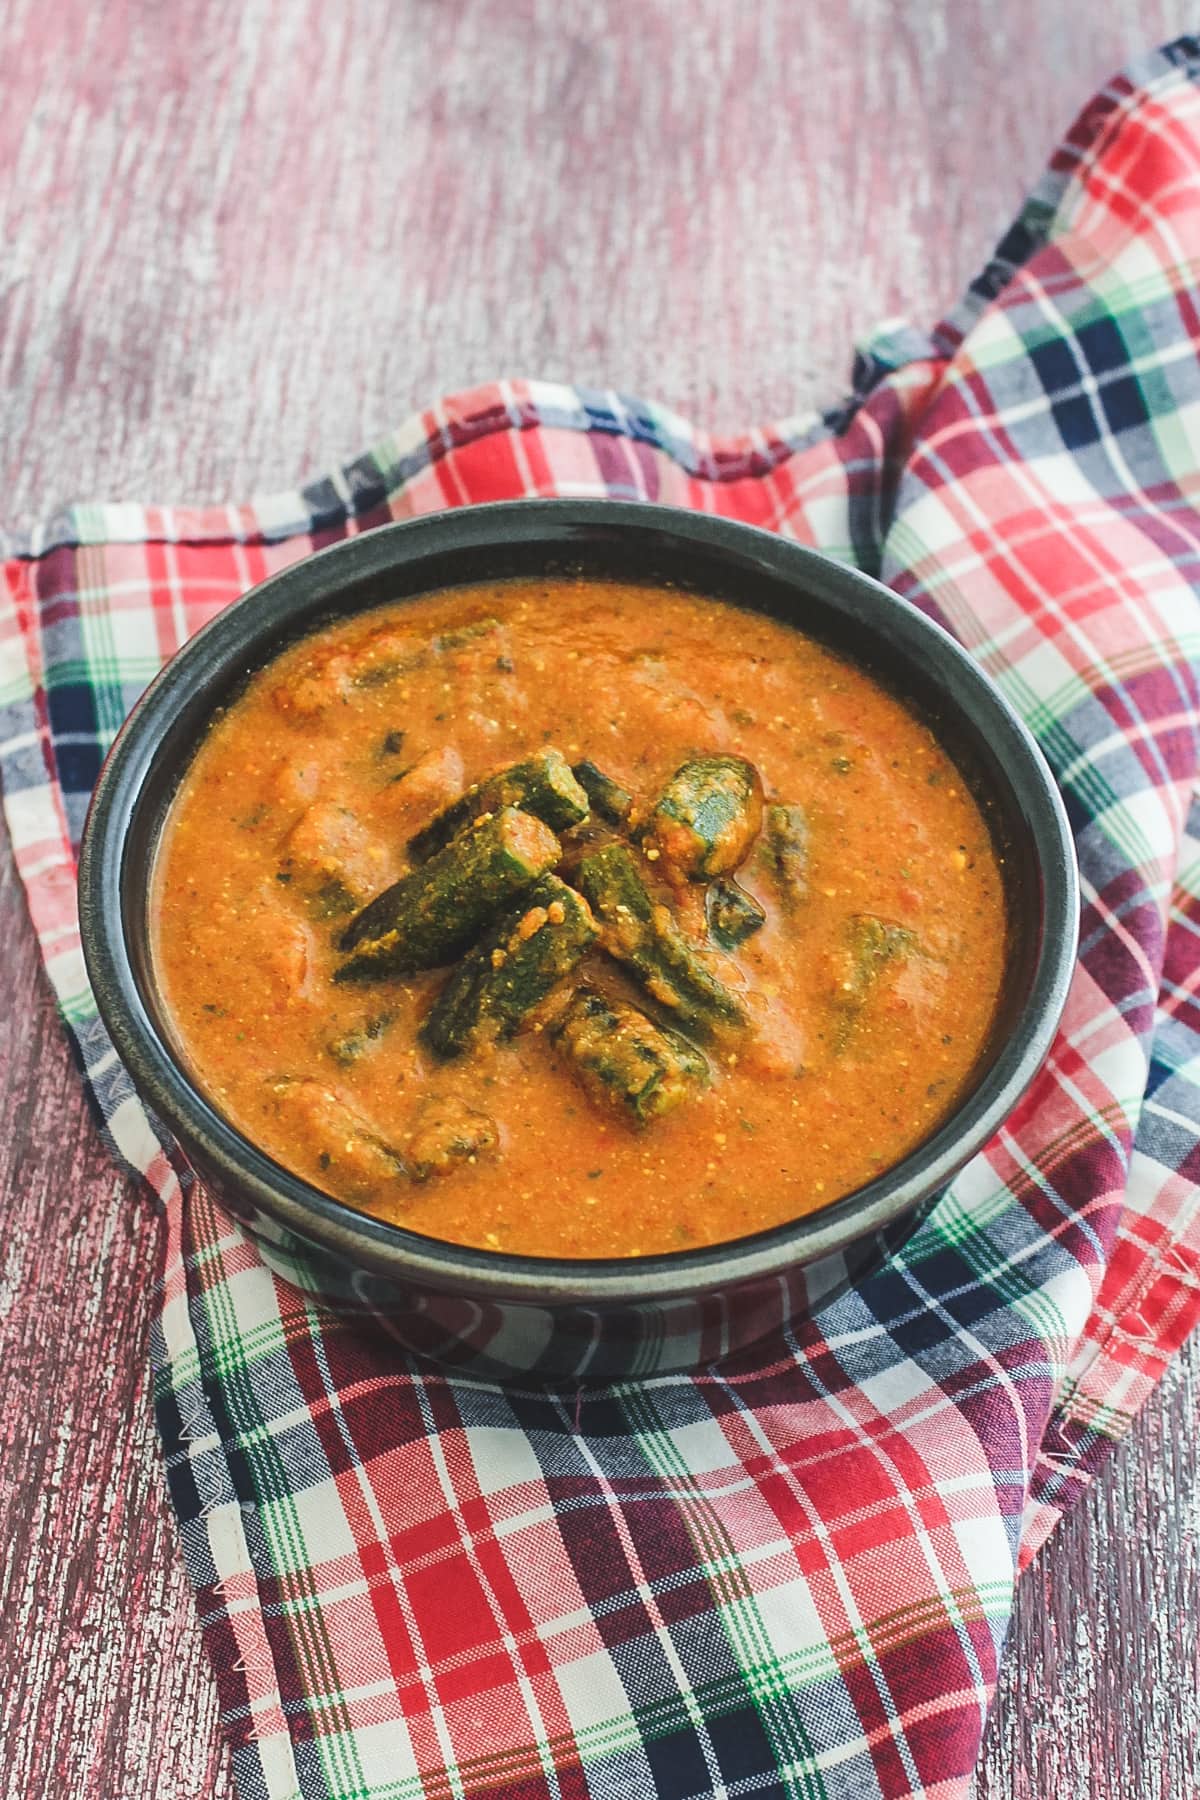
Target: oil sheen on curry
573,918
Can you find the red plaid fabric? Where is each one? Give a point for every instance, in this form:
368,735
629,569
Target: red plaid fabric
790,1574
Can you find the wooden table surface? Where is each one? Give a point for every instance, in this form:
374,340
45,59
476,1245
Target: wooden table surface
239,239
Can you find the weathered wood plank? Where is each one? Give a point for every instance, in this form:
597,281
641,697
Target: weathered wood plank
1100,1695
240,239
105,1692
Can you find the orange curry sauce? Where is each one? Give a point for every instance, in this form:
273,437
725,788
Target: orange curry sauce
313,781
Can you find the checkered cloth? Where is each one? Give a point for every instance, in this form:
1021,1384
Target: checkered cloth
791,1573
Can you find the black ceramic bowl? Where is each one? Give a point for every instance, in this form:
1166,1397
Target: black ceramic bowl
549,1320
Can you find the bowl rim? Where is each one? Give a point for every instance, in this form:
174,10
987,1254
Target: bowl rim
165,1085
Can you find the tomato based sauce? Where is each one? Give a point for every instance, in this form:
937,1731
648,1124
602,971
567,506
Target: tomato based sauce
844,927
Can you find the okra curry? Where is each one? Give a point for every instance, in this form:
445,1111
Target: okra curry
574,918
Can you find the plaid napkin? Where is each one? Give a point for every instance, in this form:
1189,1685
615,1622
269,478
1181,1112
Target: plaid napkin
792,1573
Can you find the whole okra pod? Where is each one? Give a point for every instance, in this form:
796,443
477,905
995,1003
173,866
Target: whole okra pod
609,800
543,785
707,816
624,1059
641,933
436,911
512,968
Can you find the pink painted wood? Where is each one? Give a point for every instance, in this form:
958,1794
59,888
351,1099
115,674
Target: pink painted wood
243,237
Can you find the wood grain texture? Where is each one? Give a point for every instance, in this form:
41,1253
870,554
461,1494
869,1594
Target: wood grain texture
242,238
105,1693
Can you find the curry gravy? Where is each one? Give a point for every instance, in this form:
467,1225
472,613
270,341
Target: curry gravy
298,808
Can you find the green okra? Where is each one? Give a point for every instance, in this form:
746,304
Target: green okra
460,635
609,800
873,946
733,915
436,911
356,1043
641,933
785,850
707,816
338,1134
387,655
543,785
623,1059
512,968
445,1132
